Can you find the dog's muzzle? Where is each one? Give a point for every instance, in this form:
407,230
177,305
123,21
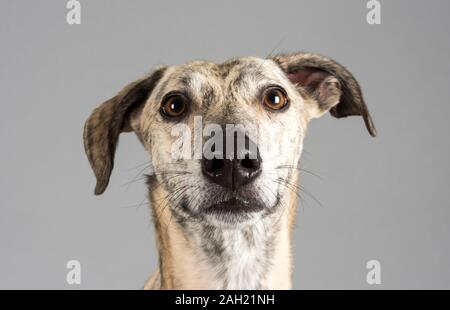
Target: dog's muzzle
234,168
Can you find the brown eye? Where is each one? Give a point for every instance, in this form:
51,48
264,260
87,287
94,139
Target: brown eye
174,106
275,98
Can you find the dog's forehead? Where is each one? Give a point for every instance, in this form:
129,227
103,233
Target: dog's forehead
248,66
199,76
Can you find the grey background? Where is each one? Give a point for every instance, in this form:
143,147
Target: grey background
385,198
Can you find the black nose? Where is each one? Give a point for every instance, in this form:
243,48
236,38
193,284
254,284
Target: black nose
235,170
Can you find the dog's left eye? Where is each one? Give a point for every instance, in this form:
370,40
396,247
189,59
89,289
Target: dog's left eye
275,98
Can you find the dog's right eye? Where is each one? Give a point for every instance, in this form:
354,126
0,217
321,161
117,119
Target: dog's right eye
174,106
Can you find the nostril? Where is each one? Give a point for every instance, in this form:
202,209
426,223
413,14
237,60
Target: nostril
213,165
251,164
216,164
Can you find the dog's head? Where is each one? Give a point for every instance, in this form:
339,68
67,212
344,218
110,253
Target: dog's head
224,139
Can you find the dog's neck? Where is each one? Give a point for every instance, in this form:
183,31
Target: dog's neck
201,256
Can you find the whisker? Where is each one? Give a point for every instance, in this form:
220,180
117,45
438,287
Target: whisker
147,163
144,201
297,189
136,179
292,167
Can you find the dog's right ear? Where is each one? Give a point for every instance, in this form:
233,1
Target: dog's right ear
103,127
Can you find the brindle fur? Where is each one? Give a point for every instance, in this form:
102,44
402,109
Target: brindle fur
199,251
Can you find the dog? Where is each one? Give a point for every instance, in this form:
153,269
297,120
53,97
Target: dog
224,222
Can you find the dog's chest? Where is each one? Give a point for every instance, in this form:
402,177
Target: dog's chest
237,259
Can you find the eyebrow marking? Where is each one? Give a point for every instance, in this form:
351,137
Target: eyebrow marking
208,96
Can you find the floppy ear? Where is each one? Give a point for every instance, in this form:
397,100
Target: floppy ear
328,83
103,127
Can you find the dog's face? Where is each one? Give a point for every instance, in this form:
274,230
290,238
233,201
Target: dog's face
225,139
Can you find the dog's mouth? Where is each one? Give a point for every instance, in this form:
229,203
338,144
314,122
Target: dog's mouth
235,208
231,208
235,205
234,211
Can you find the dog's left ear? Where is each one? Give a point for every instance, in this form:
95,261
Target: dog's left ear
103,127
329,84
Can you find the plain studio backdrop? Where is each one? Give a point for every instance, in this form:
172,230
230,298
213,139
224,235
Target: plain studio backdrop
385,198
